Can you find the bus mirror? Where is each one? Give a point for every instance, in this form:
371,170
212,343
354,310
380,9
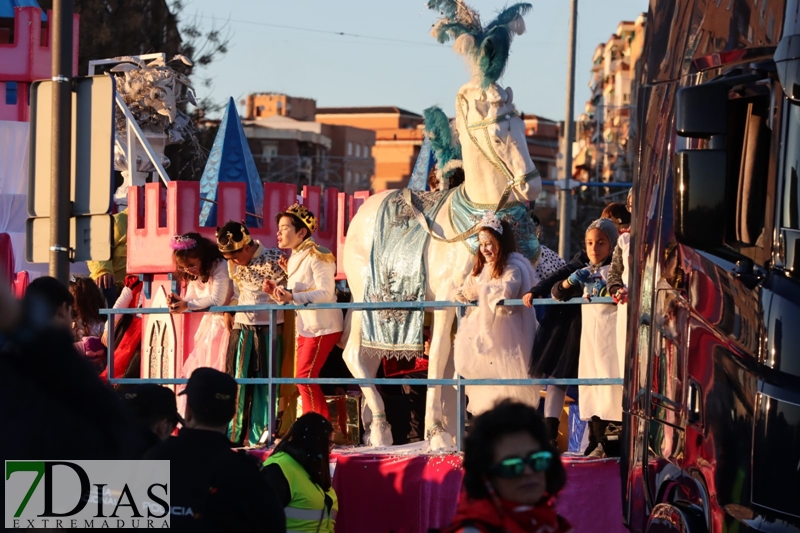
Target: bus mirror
702,110
700,178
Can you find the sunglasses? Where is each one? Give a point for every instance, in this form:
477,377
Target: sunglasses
515,466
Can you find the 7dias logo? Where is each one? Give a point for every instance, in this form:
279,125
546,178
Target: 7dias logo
87,494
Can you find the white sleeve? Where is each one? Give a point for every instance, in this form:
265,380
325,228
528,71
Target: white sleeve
505,288
123,302
191,292
470,288
221,288
324,274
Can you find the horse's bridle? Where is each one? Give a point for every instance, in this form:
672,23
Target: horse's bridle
493,158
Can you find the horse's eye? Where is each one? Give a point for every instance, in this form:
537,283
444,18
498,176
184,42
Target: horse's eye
497,141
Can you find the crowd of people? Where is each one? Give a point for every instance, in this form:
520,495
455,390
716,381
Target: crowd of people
512,466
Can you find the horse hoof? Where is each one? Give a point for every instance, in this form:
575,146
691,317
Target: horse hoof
380,434
439,439
442,442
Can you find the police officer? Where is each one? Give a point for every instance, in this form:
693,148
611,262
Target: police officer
214,488
155,410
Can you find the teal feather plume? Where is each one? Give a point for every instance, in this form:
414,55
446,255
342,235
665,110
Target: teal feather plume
488,47
437,127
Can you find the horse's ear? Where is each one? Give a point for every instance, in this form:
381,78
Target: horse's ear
509,95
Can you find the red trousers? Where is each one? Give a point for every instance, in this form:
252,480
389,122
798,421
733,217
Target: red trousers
311,355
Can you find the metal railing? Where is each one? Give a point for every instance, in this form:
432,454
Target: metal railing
272,352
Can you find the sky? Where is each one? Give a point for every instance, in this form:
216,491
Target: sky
380,52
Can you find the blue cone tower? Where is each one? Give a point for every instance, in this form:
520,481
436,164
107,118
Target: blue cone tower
230,161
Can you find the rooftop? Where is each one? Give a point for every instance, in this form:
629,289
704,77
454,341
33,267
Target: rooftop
388,110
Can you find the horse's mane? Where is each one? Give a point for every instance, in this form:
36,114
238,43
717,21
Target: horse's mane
486,48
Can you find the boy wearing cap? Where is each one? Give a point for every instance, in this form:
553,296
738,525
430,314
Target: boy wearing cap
249,265
311,273
155,410
215,488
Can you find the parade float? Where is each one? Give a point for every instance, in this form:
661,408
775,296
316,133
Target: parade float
381,488
25,56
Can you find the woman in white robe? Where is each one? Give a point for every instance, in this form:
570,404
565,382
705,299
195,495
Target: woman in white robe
494,341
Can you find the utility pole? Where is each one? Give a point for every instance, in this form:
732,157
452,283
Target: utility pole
564,215
61,26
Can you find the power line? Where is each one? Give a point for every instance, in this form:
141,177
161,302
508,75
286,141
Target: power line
328,32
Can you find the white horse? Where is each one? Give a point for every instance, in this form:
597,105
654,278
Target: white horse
497,168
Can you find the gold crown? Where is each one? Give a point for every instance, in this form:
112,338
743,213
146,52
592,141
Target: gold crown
227,244
302,213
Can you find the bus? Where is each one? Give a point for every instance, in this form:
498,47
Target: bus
711,430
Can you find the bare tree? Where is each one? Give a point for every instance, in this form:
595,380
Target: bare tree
115,28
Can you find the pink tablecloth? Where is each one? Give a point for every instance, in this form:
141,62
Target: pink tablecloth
411,493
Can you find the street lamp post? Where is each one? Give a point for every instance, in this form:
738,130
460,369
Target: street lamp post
565,217
61,25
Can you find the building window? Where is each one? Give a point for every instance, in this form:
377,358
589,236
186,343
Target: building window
366,150
11,93
347,178
268,151
358,153
349,149
357,181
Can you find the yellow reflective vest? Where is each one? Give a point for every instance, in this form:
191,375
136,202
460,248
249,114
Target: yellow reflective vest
306,512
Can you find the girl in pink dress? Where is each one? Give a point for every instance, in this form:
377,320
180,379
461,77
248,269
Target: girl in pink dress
201,266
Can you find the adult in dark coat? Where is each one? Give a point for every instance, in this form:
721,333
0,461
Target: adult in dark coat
52,403
556,348
213,487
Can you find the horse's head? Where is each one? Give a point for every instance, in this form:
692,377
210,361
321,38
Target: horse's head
494,147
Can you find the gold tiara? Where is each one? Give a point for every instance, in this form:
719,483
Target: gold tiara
303,214
227,244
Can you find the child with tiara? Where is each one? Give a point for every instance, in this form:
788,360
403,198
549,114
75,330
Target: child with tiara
495,341
202,268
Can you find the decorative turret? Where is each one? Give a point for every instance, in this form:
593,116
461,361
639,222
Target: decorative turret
156,214
26,54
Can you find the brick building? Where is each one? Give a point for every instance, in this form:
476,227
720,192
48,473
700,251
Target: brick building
398,138
289,145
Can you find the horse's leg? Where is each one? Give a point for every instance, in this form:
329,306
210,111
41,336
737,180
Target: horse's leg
437,364
378,432
450,398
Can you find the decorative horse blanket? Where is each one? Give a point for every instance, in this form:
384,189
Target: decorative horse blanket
397,268
464,214
397,274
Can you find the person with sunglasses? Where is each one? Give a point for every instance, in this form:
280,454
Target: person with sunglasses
512,475
299,473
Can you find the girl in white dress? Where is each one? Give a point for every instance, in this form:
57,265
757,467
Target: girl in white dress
201,265
495,342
